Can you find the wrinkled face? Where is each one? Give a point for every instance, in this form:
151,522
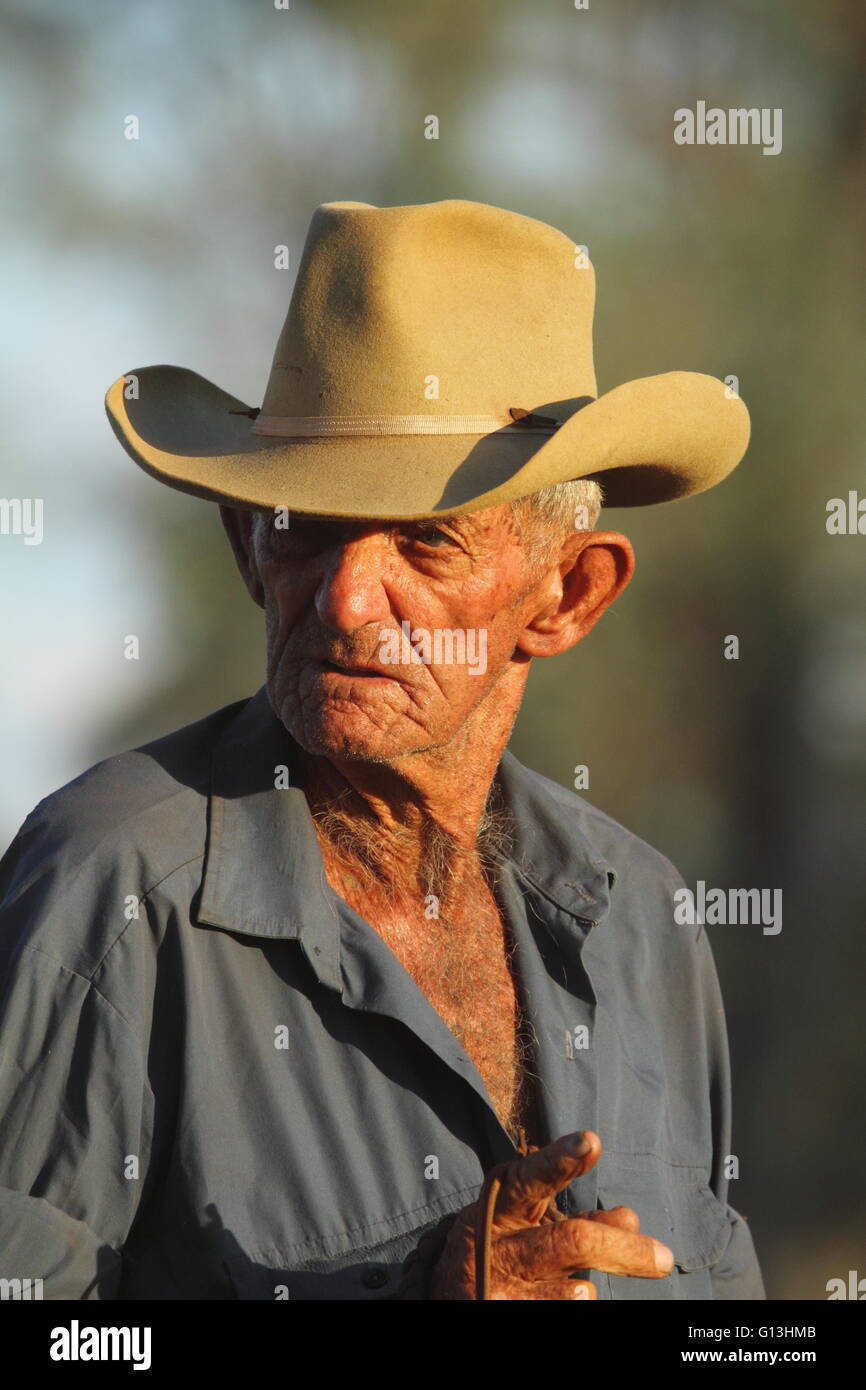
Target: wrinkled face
383,638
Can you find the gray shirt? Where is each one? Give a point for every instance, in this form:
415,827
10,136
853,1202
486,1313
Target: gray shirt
217,1081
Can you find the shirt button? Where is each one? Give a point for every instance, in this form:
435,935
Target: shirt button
374,1277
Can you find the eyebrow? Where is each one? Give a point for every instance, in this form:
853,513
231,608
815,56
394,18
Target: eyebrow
346,527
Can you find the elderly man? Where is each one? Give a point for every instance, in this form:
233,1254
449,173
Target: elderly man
326,996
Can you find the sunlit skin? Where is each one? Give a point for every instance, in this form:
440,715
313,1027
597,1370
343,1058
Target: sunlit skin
397,733
419,741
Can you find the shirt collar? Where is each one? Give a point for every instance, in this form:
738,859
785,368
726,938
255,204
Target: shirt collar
263,872
264,875
551,850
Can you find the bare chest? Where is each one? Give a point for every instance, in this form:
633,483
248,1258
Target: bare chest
465,967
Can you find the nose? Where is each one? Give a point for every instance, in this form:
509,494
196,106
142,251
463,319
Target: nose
351,590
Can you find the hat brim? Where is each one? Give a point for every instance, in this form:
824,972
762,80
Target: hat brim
650,440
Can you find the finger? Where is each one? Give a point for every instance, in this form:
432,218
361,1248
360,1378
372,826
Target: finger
569,1290
529,1183
564,1247
623,1217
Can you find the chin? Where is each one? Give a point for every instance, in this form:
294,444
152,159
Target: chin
347,733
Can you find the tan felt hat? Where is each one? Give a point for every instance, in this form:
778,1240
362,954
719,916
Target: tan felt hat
435,359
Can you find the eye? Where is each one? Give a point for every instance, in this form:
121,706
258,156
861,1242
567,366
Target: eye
431,535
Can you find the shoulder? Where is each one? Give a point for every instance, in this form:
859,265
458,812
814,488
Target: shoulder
141,796
629,857
636,883
119,828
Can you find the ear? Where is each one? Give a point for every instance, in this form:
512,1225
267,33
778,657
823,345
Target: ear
238,525
593,569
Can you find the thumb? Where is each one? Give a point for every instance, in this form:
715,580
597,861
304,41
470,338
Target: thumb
528,1184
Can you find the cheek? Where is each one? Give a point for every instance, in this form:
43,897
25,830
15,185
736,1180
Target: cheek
489,619
281,643
491,595
474,662
286,596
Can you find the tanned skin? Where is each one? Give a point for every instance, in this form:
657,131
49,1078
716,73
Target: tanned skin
399,758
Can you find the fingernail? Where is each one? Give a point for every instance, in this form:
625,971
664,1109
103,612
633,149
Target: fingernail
578,1145
663,1257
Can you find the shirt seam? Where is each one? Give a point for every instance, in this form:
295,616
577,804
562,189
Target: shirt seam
651,1153
74,871
144,899
386,1223
76,975
90,979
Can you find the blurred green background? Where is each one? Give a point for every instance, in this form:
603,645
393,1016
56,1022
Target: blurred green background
121,253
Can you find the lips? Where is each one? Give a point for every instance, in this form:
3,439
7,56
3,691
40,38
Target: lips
365,672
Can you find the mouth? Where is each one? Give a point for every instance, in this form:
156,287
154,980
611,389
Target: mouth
367,673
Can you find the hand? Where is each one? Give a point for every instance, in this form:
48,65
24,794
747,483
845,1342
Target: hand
532,1261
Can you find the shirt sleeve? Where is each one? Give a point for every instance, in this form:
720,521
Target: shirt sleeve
737,1273
75,1104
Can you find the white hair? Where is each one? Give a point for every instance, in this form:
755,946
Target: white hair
565,503
574,505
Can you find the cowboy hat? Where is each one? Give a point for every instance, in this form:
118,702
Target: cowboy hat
435,359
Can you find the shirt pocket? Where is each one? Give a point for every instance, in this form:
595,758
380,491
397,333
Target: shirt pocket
677,1207
365,1275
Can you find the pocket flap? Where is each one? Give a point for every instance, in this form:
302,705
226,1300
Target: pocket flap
701,1227
678,1209
369,1274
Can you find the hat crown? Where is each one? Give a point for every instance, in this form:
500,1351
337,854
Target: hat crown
445,308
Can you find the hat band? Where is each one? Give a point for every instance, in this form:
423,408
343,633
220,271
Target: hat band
328,426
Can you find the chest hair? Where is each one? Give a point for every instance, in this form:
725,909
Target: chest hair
463,963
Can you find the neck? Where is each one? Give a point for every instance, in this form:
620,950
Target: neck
372,850
429,823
